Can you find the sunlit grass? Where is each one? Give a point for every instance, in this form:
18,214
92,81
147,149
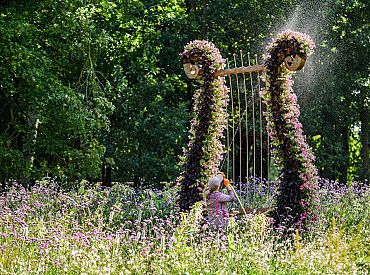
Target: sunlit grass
122,231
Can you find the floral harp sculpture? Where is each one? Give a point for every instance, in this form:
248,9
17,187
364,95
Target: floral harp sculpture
297,199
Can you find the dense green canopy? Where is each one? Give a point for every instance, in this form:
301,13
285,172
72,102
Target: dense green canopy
92,86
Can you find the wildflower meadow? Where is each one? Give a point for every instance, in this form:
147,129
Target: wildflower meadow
120,230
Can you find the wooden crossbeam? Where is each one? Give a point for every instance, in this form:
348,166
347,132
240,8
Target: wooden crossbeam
241,70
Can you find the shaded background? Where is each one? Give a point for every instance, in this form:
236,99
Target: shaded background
95,89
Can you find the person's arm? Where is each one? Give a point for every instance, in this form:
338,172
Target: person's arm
230,196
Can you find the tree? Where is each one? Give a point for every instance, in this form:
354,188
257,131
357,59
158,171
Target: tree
333,88
51,119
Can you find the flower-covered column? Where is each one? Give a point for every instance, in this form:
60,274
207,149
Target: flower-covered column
297,196
202,157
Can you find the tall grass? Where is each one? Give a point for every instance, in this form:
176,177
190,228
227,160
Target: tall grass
123,231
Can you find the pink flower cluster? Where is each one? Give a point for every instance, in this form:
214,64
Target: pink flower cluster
306,43
209,50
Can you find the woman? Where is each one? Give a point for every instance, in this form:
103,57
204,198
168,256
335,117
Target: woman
216,201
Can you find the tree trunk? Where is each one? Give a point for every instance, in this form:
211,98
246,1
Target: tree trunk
106,175
33,123
345,147
204,20
365,142
28,146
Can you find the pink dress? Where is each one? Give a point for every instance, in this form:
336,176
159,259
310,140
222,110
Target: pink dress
218,215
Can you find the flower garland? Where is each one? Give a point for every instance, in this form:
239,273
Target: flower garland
297,198
203,154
